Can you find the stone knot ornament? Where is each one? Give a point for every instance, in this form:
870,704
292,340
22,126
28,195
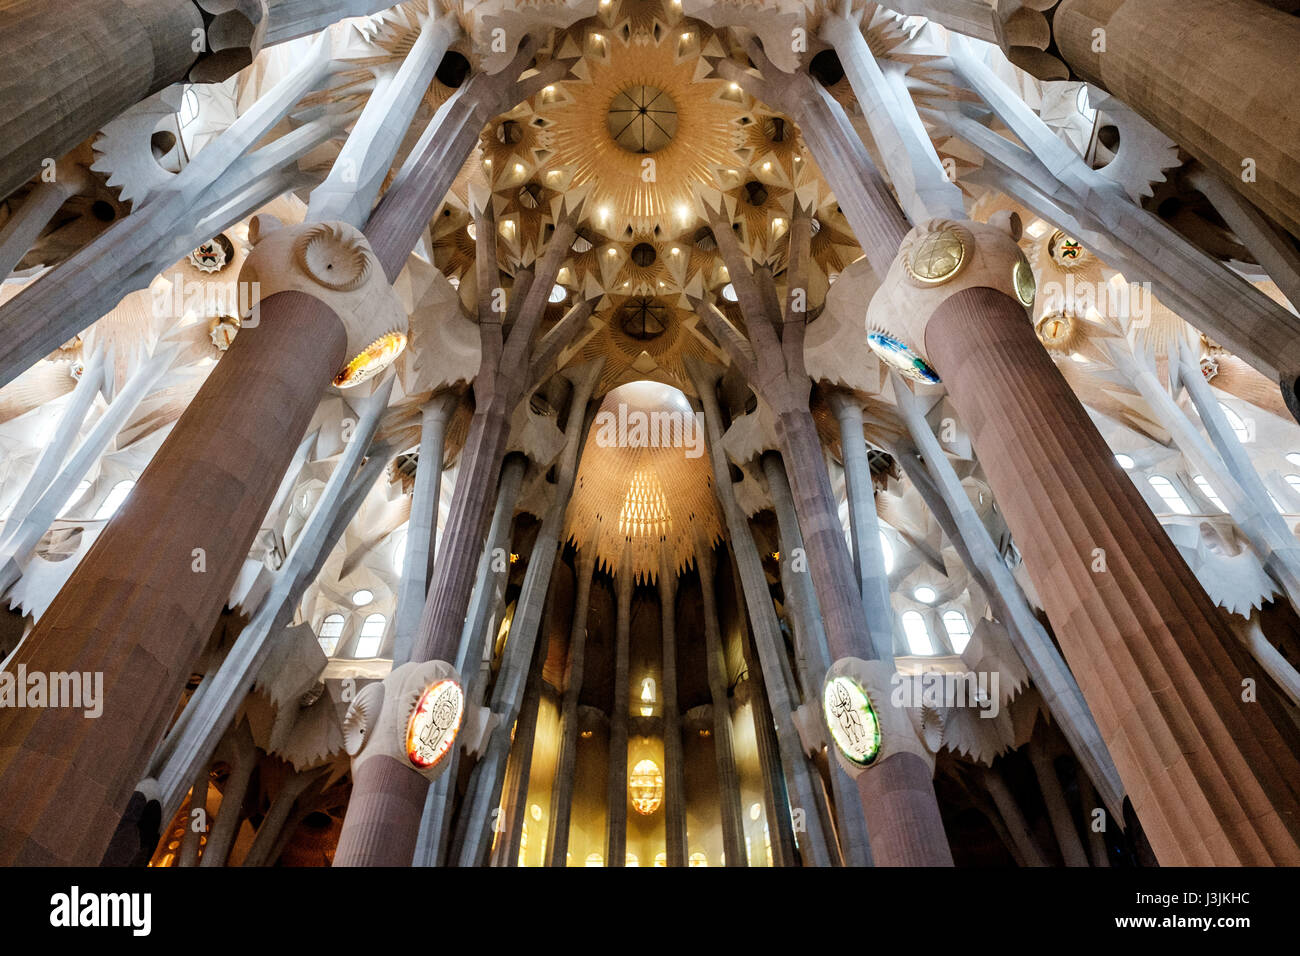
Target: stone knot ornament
935,261
414,716
233,31
333,263
864,725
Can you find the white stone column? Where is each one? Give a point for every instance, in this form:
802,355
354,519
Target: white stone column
422,527
435,822
864,524
850,824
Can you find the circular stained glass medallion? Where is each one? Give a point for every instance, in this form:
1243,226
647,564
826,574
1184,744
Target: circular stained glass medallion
434,723
1066,251
1054,329
852,720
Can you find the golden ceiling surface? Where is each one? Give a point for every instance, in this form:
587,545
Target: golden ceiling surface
645,486
633,191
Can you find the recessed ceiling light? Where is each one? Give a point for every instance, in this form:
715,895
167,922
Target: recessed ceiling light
362,597
729,292
1125,462
558,293
925,595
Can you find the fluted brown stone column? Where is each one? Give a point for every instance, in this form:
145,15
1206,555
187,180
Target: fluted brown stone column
1213,779
1206,73
142,602
903,820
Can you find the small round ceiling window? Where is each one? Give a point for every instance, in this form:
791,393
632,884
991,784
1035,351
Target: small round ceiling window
642,119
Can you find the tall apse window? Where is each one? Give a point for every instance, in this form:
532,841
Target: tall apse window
331,629
81,489
887,550
399,551
372,634
1239,427
1208,490
918,635
958,628
1169,494
116,496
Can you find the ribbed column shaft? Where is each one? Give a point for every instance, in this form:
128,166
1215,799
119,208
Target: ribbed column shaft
903,820
70,71
422,528
674,772
1213,779
1203,72
514,788
864,525
566,761
850,827
383,817
733,827
616,788
435,826
1058,811
142,602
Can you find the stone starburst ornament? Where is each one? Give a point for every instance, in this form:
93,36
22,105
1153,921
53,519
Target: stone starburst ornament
641,122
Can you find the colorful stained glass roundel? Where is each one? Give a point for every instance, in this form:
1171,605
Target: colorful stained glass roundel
897,355
852,720
434,723
1066,251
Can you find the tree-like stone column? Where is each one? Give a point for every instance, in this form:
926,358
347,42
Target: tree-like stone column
850,826
71,70
142,602
1214,778
864,524
1204,72
897,793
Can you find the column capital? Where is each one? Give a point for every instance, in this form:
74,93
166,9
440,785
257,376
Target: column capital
866,723
936,260
412,716
333,263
